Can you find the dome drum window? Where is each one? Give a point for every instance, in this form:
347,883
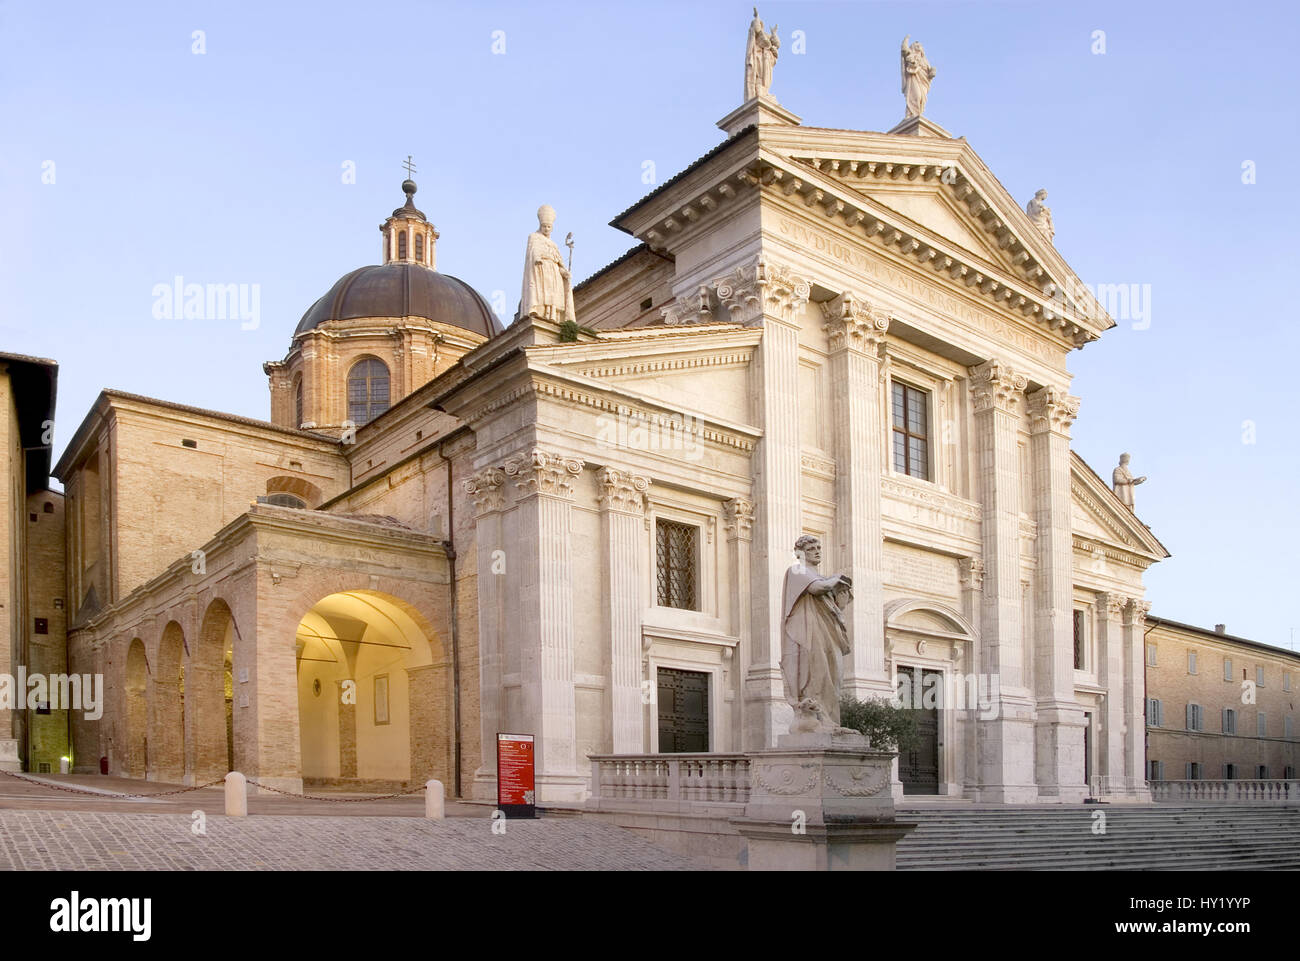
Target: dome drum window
368,388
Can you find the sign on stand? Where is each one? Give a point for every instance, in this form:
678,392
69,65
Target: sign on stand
516,791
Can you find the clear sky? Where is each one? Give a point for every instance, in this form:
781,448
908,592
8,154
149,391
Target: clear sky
227,166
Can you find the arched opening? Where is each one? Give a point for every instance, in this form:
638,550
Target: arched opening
419,248
297,401
373,693
216,723
136,759
167,737
367,390
401,245
931,649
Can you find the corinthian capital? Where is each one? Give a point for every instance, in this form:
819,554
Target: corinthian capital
486,489
622,491
995,386
692,308
539,471
1052,409
759,290
1136,611
852,324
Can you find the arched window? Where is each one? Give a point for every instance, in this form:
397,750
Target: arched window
367,389
401,245
419,248
282,499
297,401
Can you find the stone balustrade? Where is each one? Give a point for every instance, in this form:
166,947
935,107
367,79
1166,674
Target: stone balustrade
1264,791
703,778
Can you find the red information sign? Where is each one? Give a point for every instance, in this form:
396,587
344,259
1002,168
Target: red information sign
515,787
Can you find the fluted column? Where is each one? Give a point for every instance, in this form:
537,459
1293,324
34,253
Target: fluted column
769,296
1135,692
1006,742
486,487
855,333
541,577
622,506
738,521
1110,675
971,574
1059,722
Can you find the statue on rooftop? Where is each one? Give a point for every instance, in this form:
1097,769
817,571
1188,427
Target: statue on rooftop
547,291
1123,481
760,56
1041,214
917,76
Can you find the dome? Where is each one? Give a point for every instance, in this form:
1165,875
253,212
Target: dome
403,290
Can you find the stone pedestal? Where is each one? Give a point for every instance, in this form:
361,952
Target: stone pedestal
821,802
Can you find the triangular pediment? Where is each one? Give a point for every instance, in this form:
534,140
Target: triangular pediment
1098,515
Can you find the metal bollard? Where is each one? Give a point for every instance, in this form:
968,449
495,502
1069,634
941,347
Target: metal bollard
236,795
434,797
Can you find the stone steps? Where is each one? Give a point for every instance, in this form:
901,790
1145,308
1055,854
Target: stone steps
1136,838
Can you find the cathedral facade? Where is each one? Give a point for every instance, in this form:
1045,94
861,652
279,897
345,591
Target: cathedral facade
451,527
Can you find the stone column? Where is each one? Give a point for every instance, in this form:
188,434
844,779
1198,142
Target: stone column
1110,675
770,296
622,506
855,333
1135,692
486,488
542,576
738,519
971,573
1058,727
1006,743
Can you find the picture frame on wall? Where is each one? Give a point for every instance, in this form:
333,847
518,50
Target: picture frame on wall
381,699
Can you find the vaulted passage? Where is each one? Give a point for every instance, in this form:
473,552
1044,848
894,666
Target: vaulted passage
373,693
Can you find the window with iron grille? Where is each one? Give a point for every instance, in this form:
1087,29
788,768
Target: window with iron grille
367,390
911,412
1079,625
677,547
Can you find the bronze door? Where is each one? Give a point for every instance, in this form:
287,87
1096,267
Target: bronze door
683,711
918,765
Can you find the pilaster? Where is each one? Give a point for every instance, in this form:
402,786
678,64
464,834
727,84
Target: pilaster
1006,745
1135,692
622,506
855,332
1108,612
486,488
769,295
1059,723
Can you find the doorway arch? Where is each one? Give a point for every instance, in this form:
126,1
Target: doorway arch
136,760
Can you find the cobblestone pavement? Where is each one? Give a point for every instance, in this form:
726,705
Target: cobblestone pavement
84,840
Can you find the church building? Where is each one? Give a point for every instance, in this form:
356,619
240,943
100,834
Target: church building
453,525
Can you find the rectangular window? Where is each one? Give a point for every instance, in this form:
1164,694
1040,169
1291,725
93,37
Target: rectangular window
1155,712
1151,655
1227,669
677,550
1288,772
1193,771
1286,680
911,415
1191,662
1261,724
1259,677
1155,770
1261,772
1229,771
1229,721
1288,727
1195,717
1080,626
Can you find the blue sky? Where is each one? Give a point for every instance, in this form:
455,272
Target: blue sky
227,167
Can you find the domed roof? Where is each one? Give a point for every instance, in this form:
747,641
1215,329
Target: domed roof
403,290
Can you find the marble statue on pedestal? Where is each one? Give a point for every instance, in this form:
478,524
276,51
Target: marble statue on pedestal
547,291
1123,481
1041,214
917,76
760,56
814,636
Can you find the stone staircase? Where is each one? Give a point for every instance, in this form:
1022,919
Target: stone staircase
1138,838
